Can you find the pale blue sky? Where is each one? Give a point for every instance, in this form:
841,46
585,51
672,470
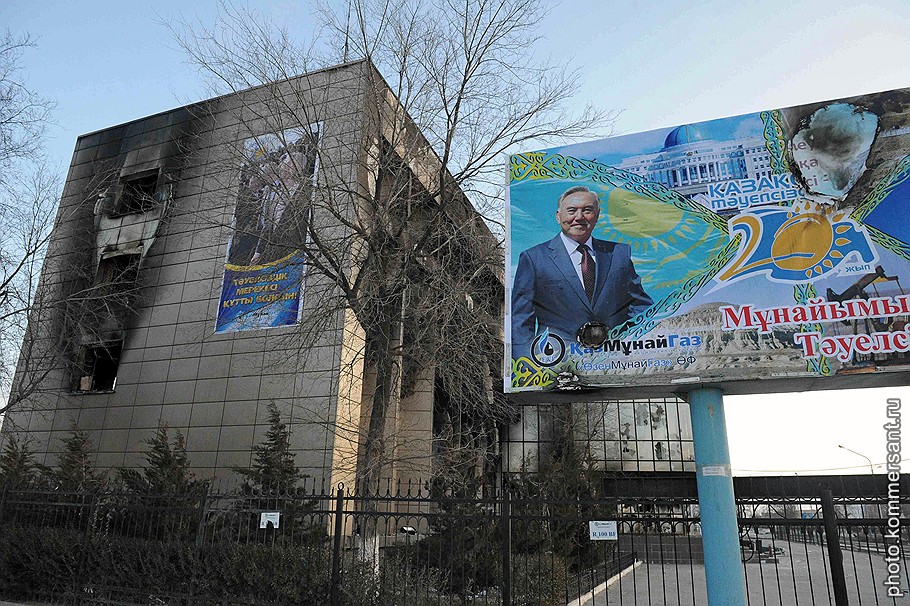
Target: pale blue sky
661,62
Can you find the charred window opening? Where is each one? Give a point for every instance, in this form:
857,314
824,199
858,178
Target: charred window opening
98,365
138,194
118,273
102,317
116,284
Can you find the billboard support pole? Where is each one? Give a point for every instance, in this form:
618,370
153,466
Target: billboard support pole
720,532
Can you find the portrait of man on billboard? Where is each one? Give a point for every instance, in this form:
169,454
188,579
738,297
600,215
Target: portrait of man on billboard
264,268
270,217
574,280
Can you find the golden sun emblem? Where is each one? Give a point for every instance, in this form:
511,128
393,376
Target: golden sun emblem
808,240
802,242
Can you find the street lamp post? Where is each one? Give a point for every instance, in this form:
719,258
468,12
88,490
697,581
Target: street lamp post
871,467
878,511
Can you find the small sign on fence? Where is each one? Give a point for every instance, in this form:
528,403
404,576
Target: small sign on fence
269,517
603,530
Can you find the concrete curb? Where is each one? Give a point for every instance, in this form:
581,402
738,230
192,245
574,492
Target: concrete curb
600,589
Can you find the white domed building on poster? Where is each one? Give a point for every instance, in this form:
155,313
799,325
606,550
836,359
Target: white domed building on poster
691,160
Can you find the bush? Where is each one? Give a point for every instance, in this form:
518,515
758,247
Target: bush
38,562
43,562
539,579
465,552
276,573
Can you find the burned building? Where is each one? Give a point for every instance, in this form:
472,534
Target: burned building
213,260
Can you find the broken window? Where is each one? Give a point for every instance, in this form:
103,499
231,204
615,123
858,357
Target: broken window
118,273
137,194
110,301
98,366
116,284
103,314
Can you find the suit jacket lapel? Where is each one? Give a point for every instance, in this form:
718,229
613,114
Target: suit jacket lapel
603,255
564,264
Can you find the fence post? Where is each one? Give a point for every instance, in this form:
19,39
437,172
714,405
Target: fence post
200,532
200,523
506,546
83,555
835,556
336,546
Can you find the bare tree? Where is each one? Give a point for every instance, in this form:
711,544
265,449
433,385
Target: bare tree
24,115
28,199
405,247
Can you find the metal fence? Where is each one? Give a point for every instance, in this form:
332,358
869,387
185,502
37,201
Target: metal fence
409,545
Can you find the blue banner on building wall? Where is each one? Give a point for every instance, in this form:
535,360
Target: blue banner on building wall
260,296
265,265
772,244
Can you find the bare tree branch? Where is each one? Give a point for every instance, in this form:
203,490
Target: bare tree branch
28,202
400,246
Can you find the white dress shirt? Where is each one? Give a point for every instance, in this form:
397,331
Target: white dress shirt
575,255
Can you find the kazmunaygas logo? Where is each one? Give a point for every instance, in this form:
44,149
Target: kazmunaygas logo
548,349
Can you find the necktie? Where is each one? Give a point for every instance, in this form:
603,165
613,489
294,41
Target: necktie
587,270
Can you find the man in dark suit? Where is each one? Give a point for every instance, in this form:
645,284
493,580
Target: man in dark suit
573,279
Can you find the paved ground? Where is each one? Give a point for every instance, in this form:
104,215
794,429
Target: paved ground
796,579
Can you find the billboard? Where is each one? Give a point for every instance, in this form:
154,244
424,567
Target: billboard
263,272
773,245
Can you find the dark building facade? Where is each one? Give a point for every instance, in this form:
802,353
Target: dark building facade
175,293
